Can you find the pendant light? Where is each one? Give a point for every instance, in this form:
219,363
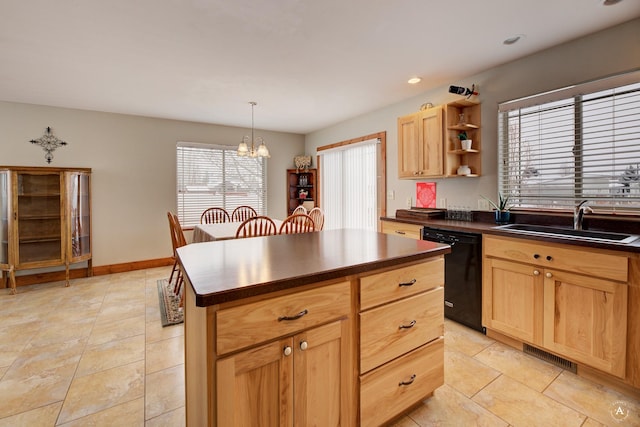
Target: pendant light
243,148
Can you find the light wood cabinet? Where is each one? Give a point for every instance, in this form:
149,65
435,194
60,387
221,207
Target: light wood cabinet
420,144
46,219
512,296
411,231
280,360
401,339
290,382
462,116
585,319
571,302
353,351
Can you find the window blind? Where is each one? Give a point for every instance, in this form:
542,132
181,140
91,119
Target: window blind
582,142
214,175
349,189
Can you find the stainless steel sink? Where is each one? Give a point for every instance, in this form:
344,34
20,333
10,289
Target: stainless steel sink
569,233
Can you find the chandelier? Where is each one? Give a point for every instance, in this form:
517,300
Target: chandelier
243,148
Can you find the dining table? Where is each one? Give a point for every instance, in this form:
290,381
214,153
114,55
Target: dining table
219,231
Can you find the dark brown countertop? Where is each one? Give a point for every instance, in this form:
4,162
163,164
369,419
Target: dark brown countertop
485,227
228,270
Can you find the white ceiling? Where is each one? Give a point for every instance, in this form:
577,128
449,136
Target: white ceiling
308,64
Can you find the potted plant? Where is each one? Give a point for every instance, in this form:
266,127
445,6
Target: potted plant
465,142
502,208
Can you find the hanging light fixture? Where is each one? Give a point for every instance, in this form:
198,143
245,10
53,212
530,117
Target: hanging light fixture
243,148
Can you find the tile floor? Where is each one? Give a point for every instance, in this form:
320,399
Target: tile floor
96,354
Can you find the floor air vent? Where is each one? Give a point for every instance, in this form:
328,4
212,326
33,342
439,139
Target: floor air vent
551,358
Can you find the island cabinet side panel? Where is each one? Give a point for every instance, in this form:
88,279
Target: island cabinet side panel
200,376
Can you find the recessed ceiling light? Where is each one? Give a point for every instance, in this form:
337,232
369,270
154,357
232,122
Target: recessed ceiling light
610,2
414,80
513,40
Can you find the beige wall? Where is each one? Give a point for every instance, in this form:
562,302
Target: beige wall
598,55
134,169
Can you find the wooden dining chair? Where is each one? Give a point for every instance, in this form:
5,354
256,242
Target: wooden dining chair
299,210
214,215
243,213
317,216
297,223
256,226
177,240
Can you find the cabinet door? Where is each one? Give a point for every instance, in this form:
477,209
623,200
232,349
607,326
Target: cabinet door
254,387
79,208
320,377
585,319
512,296
38,214
430,134
408,147
420,144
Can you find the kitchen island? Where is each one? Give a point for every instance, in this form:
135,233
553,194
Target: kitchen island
340,327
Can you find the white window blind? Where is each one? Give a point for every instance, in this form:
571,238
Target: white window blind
578,143
349,186
213,175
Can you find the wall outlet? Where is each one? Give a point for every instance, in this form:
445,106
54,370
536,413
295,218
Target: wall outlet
391,195
409,202
443,203
483,205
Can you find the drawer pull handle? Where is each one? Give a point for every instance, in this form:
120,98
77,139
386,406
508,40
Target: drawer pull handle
294,317
411,380
549,275
287,351
407,283
400,232
536,273
549,257
304,345
536,256
409,326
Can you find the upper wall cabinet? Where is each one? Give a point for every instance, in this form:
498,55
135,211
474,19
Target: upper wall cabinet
462,117
45,219
420,144
430,146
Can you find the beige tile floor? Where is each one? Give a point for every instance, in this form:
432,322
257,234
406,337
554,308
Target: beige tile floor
96,354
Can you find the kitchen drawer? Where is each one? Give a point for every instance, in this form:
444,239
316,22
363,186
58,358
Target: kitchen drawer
257,322
402,282
412,231
391,330
388,391
548,255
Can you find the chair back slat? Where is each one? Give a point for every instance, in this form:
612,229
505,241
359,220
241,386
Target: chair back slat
243,213
214,215
256,226
297,223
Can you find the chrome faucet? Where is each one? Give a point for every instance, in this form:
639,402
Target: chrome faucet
578,214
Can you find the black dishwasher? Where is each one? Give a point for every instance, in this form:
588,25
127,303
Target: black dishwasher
462,275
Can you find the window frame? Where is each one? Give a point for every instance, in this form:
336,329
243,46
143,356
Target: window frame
225,184
512,162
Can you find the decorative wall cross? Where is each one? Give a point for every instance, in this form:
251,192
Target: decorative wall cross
49,143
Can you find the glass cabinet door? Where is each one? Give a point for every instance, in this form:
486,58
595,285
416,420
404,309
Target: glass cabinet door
38,212
80,215
5,204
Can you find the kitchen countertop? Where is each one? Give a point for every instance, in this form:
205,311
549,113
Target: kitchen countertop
486,227
228,270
